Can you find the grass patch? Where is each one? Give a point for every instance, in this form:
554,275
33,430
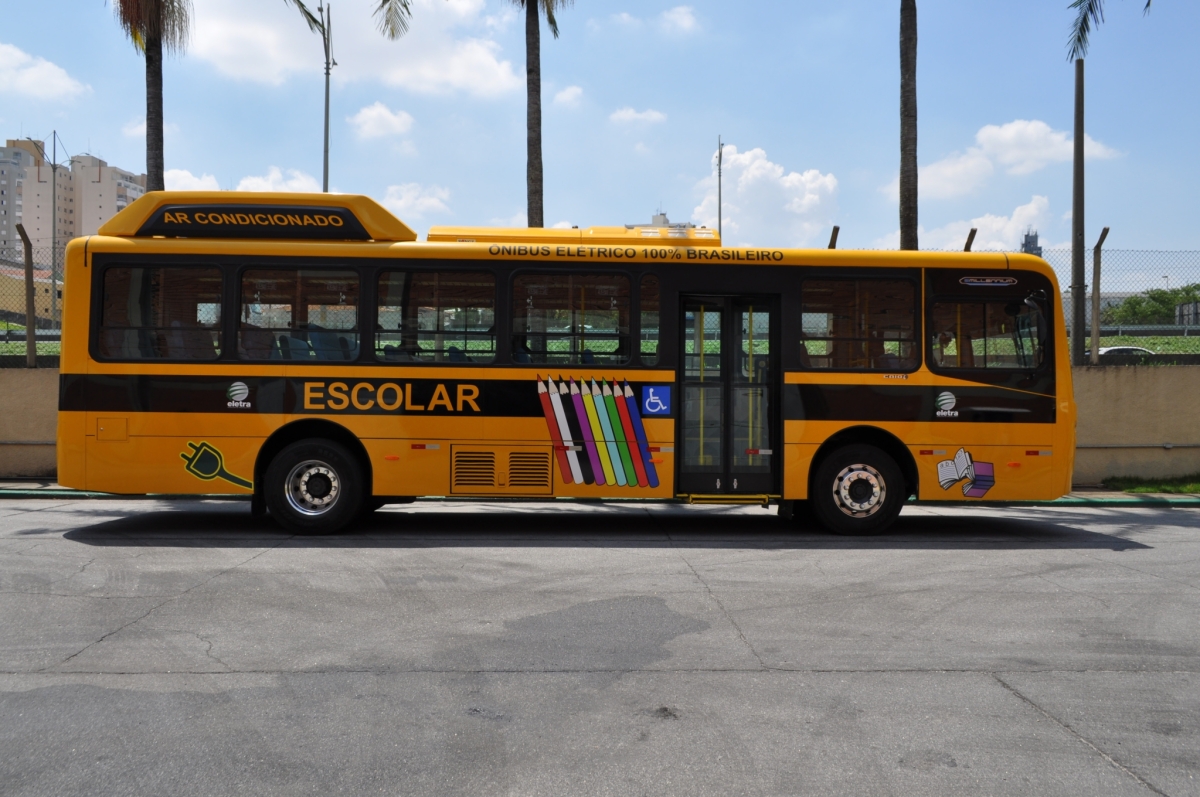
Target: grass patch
1131,484
1159,344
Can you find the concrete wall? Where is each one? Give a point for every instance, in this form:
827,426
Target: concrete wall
28,413
1142,406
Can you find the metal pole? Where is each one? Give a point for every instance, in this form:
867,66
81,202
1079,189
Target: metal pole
1077,245
327,39
54,229
970,239
30,305
720,155
1096,298
833,237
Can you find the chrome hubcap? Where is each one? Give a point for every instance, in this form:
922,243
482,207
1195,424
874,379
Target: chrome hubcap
312,488
859,490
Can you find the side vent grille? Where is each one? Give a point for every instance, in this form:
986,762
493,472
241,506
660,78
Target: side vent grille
474,469
529,469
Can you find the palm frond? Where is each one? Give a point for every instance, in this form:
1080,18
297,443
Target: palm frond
393,16
550,6
313,21
1089,13
168,20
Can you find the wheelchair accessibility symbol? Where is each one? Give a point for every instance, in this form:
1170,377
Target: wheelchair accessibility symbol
656,400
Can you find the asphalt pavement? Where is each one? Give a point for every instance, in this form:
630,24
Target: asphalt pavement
450,648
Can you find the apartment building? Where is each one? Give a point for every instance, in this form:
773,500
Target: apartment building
88,193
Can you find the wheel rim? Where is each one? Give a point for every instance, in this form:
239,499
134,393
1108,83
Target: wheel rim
859,490
313,487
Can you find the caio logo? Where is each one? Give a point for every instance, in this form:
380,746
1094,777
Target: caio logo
237,394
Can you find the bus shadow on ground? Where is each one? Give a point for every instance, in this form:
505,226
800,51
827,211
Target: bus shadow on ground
228,526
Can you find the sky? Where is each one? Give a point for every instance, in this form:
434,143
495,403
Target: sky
805,96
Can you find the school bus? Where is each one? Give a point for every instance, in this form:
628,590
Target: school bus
307,351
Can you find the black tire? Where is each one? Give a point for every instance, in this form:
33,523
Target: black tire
314,486
857,489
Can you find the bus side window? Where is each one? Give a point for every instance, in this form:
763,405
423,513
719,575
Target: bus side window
436,317
649,317
866,323
309,315
998,334
571,319
160,313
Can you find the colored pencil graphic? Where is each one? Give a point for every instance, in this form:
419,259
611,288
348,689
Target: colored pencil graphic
639,429
589,440
610,438
619,435
565,433
635,452
555,434
589,404
576,431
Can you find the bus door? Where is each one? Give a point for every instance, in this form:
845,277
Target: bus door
729,428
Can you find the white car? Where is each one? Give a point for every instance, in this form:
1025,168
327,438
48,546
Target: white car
1124,350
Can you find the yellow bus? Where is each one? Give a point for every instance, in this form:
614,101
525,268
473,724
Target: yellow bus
307,351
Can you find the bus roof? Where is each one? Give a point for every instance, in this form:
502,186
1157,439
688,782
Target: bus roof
233,215
243,214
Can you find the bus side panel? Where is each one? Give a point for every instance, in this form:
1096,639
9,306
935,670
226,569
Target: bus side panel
186,465
988,473
797,463
72,450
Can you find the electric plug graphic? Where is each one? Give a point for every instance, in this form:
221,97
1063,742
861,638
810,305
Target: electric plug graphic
207,463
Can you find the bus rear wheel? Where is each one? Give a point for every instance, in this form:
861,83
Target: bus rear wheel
314,486
857,489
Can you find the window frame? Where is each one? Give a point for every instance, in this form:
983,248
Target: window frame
911,276
634,333
429,266
289,264
975,372
96,314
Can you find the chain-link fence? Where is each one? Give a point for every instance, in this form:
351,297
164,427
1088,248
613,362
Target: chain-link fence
1148,299
47,302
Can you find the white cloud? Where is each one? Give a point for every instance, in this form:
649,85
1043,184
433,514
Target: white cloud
414,199
518,219
627,114
295,182
569,96
1019,147
562,225
680,19
268,43
183,180
376,121
1025,146
626,19
764,204
32,76
995,232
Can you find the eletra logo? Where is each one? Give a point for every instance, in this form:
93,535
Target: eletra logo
945,404
237,394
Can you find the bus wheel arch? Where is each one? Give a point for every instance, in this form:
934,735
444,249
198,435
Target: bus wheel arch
295,431
871,436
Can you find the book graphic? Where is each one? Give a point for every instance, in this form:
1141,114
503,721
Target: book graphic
980,476
597,433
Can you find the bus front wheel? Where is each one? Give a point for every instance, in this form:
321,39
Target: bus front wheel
314,486
857,489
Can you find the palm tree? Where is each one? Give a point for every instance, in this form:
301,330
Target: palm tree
908,124
533,89
158,26
1090,12
155,26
